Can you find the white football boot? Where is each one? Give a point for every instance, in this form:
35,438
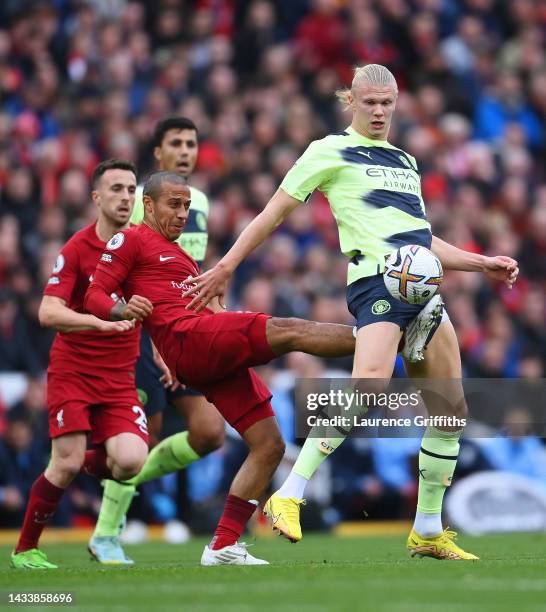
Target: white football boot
421,329
236,554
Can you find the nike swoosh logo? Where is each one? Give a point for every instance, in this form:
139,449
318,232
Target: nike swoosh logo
161,258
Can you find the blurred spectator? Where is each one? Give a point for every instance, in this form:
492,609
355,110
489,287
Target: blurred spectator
32,409
16,351
504,105
22,457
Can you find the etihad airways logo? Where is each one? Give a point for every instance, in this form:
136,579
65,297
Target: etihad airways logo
392,173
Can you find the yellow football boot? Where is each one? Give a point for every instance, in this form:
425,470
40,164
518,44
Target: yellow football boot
284,513
440,547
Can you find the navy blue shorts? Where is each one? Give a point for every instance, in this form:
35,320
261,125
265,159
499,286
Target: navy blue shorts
370,302
151,392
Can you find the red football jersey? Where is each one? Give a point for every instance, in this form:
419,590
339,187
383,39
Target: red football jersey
90,350
142,262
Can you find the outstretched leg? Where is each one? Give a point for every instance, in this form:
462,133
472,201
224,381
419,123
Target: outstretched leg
321,339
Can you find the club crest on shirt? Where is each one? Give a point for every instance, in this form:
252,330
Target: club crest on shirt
115,242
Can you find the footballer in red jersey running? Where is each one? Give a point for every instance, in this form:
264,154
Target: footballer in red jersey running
212,352
91,384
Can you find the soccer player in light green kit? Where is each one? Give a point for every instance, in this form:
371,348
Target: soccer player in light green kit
375,195
175,144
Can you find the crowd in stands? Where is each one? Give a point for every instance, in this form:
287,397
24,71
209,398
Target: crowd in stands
85,80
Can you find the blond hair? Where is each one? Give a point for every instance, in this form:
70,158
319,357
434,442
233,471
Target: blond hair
373,74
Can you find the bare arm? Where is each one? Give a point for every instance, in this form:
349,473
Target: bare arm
499,268
214,282
453,258
169,381
55,314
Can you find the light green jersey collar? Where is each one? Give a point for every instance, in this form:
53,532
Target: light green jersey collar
371,141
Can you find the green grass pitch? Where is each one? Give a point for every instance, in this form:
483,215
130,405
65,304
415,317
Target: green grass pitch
320,573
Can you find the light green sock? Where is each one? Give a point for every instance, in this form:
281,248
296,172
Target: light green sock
116,500
313,453
170,455
437,461
316,449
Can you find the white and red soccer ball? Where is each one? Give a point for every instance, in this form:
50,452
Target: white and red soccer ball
413,274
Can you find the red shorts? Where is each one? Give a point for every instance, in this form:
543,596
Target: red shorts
218,351
105,405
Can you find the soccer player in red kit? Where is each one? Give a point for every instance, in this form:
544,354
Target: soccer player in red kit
90,377
211,352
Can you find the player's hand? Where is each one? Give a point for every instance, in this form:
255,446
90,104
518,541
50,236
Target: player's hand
114,326
170,382
208,285
501,268
138,308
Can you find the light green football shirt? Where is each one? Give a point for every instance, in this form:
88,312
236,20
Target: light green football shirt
374,191
195,236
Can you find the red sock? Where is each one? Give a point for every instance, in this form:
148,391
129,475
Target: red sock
42,503
94,463
232,523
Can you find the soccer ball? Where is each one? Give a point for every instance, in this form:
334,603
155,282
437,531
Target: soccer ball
413,274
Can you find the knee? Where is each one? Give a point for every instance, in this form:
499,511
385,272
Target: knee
127,464
373,383
209,441
63,469
451,400
205,440
125,470
461,410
